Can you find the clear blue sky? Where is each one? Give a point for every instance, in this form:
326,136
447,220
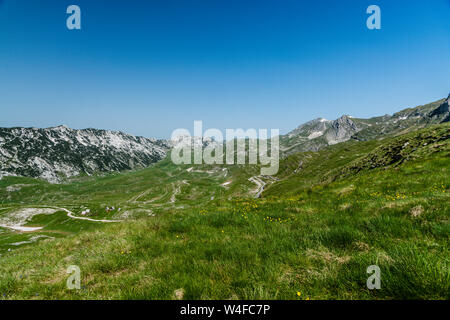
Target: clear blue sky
149,67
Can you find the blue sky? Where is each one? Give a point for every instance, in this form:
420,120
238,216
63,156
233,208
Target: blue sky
149,67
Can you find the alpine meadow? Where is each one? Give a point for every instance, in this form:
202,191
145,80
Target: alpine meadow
224,159
379,195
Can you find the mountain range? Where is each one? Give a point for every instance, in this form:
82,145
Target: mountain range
380,197
319,133
59,152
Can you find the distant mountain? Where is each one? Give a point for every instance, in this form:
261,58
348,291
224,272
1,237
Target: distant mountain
320,132
59,152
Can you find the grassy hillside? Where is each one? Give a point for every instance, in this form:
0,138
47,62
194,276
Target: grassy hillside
312,234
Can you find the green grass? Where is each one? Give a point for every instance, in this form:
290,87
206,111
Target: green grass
314,231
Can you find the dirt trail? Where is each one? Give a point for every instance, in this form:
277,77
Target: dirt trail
177,190
260,185
135,198
70,214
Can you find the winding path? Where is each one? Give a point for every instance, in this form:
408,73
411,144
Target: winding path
177,190
70,214
260,185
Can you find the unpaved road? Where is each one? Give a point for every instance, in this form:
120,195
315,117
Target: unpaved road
177,190
70,214
260,185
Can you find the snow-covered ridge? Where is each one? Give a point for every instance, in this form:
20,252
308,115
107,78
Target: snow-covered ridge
57,152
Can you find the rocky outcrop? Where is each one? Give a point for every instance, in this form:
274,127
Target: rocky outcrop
341,130
443,111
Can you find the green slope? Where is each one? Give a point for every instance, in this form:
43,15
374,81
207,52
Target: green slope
332,214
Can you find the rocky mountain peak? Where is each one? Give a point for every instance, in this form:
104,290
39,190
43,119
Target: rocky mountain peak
341,130
344,120
319,133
